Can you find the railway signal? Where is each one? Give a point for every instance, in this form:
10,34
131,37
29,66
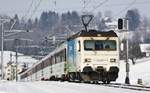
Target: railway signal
123,26
120,23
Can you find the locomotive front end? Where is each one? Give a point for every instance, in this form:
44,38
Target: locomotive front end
100,58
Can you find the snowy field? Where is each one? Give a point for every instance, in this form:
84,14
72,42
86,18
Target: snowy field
141,70
59,87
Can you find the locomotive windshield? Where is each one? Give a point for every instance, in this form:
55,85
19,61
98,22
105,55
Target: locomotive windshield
99,45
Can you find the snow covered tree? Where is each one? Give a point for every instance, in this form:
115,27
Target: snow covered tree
134,19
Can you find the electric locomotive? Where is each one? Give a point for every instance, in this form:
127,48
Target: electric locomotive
88,55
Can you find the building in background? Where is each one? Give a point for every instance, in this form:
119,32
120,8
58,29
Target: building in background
145,48
10,71
9,65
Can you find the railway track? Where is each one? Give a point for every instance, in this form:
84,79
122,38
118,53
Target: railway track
120,85
128,86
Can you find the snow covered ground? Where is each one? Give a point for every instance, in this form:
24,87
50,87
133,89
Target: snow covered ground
141,70
59,87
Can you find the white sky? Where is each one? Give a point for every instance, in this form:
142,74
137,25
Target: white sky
20,7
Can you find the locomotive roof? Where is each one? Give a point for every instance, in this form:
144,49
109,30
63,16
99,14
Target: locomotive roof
93,33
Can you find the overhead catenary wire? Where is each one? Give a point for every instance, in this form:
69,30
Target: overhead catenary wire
123,4
79,8
85,4
35,9
25,16
99,5
30,6
127,7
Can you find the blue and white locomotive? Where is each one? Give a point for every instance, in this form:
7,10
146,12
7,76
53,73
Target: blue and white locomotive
86,56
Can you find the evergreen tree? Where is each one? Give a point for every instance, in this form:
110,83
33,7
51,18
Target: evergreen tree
134,19
75,18
43,22
35,24
29,24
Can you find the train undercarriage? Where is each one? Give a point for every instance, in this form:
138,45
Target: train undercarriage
89,75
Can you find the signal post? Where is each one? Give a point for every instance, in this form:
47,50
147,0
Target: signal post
124,26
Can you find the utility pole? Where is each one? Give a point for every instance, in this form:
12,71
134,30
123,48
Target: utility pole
2,45
16,48
2,21
16,64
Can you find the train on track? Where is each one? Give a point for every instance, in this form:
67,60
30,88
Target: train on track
86,56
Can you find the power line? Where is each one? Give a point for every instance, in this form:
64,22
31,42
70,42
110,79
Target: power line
99,5
30,6
84,6
79,8
86,3
35,9
122,4
131,4
55,3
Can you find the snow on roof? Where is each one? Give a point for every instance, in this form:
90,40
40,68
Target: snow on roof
21,58
145,47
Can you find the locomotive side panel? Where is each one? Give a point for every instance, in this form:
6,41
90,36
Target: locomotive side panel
71,56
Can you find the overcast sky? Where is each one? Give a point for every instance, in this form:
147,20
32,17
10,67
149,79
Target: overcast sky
21,7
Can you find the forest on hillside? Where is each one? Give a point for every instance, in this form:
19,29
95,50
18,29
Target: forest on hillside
51,23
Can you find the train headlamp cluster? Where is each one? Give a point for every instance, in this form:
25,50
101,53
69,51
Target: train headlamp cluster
112,60
87,60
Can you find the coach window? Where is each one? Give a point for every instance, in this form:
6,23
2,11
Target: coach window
64,55
33,70
39,67
48,64
57,58
50,61
53,59
61,56
42,65
36,68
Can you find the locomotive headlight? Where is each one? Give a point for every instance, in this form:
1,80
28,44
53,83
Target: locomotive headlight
112,60
87,60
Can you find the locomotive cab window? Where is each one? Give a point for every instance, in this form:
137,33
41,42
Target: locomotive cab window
99,45
88,45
